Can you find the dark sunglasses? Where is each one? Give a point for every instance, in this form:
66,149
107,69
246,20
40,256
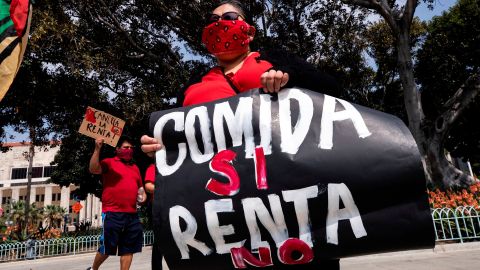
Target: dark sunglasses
227,16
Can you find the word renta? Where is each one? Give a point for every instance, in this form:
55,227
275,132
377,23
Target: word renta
239,125
254,209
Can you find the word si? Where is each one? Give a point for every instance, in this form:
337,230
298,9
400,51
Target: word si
239,125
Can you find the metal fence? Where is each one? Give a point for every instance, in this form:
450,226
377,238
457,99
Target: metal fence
460,224
457,224
56,247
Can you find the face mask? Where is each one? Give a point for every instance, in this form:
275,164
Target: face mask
125,154
227,36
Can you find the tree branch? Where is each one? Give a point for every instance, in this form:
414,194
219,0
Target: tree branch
408,11
116,25
460,101
115,91
173,22
363,3
381,6
136,56
156,35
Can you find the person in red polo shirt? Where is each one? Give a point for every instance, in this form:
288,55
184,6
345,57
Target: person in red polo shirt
122,190
227,36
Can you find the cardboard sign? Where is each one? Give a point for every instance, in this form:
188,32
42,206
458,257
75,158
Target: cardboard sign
285,181
98,124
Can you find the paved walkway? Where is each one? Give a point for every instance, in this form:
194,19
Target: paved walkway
444,257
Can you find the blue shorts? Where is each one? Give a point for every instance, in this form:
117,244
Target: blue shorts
122,234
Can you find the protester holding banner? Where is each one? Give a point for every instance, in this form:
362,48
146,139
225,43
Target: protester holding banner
122,189
239,69
227,36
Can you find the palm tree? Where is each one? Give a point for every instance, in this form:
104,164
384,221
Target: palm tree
35,215
16,213
54,215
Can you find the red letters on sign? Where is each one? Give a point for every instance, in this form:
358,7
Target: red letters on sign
242,255
260,168
116,130
285,254
221,163
90,116
293,244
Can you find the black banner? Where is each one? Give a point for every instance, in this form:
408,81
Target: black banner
283,180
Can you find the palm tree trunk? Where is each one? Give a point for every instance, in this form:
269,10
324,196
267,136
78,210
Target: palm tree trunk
31,154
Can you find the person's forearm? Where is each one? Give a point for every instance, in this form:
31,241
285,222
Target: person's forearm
149,187
94,166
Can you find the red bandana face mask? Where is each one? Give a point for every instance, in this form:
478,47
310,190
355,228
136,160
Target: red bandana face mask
227,36
125,154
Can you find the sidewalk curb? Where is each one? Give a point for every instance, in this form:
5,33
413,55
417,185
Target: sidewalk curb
439,248
445,247
90,255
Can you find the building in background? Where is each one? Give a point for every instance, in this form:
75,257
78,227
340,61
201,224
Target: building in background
13,183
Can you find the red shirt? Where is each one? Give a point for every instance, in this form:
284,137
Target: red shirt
150,174
120,185
214,84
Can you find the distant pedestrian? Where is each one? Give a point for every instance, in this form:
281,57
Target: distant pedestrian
122,190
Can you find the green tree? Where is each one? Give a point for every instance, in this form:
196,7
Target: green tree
52,87
452,47
26,107
141,54
16,212
339,47
325,33
428,135
58,79
387,93
126,50
130,58
35,215
54,215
